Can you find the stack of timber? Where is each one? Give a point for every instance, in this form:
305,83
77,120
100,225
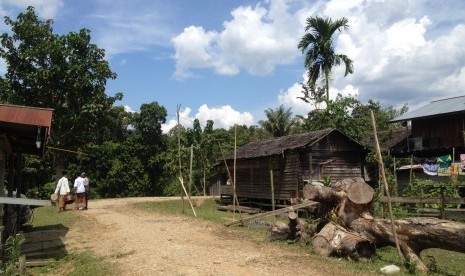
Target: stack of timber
354,231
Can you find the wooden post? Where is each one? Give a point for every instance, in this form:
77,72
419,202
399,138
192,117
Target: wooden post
188,197
272,189
204,182
386,187
443,212
229,175
190,170
179,151
22,264
234,172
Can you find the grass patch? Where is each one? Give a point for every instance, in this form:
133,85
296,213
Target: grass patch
81,264
46,218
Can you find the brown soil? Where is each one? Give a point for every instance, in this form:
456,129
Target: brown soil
142,242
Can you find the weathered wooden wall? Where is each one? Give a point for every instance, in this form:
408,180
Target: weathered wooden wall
440,132
334,156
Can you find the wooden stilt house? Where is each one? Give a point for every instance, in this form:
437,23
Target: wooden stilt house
288,163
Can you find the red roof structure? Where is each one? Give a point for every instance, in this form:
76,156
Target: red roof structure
23,126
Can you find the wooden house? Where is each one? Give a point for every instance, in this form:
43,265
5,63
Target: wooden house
289,162
434,129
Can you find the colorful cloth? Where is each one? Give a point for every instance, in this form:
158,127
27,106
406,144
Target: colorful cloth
80,200
462,161
444,163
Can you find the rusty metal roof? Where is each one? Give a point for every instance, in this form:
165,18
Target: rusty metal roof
277,146
24,125
26,115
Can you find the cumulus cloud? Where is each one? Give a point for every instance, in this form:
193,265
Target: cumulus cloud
222,116
256,39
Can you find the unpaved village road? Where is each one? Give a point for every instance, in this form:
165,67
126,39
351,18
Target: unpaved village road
140,242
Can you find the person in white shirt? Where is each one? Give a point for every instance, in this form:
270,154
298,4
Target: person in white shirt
62,190
87,187
79,185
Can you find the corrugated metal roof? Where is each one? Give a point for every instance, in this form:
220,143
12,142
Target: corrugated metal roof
435,108
277,146
26,115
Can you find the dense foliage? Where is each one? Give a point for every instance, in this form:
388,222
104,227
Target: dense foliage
126,153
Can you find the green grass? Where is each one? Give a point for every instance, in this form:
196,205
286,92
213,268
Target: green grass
45,218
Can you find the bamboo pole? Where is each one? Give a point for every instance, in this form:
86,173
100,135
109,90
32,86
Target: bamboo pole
179,151
386,187
229,175
234,172
190,170
188,197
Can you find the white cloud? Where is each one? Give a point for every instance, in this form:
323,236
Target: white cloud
222,116
256,39
193,50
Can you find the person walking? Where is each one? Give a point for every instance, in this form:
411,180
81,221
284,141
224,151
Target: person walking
62,189
87,188
80,192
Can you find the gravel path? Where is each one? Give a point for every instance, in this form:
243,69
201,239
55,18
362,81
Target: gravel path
142,242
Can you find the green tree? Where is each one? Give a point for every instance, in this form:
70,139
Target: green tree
148,143
337,114
63,72
279,121
320,56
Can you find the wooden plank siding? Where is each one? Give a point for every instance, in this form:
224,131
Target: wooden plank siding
440,132
293,160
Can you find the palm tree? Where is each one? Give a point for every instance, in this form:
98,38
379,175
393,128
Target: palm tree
320,57
279,121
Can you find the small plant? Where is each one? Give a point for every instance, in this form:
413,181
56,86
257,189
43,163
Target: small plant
326,180
13,250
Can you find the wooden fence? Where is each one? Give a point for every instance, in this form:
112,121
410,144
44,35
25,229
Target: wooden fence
441,211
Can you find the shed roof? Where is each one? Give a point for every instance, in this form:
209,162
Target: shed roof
26,115
278,145
435,108
24,125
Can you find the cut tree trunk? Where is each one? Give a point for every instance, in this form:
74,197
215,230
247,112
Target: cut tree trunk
296,229
333,239
351,203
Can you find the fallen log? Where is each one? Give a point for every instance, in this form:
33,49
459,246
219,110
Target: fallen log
296,230
336,240
354,214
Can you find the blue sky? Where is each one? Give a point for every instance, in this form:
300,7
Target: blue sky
230,60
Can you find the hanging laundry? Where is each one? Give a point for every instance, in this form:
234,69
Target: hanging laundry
444,163
430,165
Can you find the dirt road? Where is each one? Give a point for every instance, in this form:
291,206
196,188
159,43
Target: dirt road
140,242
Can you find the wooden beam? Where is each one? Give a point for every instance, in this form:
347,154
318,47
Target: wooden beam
273,213
24,201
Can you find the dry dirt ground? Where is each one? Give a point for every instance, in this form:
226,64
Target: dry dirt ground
140,242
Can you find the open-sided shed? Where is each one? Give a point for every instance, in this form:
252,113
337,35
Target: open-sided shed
289,162
23,130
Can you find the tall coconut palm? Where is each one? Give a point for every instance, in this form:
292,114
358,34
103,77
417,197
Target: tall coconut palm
318,42
279,122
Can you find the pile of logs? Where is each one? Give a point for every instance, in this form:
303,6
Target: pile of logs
349,228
